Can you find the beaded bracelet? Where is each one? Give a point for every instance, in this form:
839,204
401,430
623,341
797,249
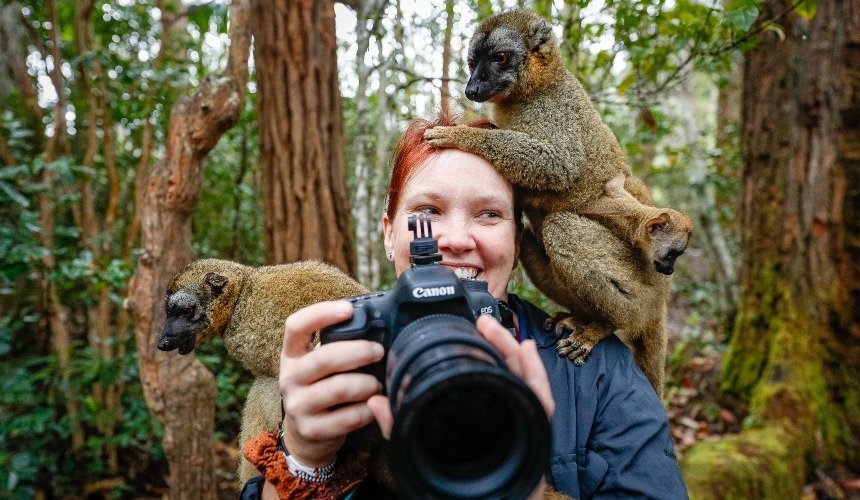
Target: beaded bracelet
304,472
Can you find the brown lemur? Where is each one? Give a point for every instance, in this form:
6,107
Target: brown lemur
603,254
247,306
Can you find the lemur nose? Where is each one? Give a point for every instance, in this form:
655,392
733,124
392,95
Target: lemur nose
473,89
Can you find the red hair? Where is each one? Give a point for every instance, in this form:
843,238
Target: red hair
413,150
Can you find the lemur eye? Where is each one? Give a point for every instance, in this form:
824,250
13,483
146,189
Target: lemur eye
503,58
187,311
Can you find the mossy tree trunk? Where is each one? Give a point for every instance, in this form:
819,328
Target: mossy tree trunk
795,352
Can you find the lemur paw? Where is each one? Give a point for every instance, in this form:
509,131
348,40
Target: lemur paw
580,339
441,137
572,349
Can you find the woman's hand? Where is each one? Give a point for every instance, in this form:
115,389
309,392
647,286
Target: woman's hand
313,381
522,359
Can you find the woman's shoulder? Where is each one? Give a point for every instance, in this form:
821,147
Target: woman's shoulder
611,349
609,359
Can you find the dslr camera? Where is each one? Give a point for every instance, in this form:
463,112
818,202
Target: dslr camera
464,425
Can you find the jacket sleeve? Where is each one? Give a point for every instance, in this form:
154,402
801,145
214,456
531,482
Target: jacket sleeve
631,432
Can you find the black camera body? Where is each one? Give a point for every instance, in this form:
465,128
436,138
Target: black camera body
464,425
426,289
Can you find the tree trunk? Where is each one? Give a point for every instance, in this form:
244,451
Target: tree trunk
445,91
100,317
54,310
13,55
379,172
305,203
179,390
795,352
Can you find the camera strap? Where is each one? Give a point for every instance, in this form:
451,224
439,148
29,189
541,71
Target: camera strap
507,316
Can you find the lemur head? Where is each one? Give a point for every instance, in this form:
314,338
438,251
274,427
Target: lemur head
669,233
510,56
199,303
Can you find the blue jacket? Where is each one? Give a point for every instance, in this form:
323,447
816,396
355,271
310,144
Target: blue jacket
610,431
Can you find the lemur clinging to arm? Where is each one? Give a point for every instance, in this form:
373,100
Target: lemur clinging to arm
554,147
247,306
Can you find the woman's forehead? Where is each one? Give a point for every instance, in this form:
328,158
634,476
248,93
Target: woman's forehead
455,167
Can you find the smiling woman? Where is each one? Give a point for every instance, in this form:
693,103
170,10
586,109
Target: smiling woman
610,434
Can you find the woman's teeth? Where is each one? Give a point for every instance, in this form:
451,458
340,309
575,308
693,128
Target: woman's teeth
465,272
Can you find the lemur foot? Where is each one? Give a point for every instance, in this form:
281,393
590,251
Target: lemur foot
581,338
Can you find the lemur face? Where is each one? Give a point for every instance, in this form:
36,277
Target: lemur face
495,60
670,233
185,318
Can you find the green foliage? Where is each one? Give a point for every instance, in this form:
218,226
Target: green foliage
36,453
231,190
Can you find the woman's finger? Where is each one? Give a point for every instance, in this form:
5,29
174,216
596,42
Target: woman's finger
339,389
334,424
328,359
497,335
522,358
534,375
380,406
300,326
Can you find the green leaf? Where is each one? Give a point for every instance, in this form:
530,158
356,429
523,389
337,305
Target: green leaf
807,9
743,17
626,83
14,195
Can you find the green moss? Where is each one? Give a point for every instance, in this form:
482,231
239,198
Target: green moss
750,344
758,463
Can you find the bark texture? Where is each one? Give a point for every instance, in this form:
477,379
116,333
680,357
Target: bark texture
179,390
795,352
305,203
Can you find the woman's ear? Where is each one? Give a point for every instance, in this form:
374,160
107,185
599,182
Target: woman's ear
388,236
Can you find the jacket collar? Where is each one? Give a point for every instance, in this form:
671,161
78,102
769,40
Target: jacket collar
540,328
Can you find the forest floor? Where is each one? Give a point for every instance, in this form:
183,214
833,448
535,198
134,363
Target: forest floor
699,411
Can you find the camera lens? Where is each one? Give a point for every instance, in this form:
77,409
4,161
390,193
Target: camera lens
464,425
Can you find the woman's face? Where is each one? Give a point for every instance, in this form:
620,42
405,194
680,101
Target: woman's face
472,211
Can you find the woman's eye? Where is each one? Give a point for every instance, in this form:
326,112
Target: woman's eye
490,215
425,210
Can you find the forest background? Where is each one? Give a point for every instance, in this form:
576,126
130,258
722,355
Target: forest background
136,135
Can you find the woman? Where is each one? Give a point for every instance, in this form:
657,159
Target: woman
610,433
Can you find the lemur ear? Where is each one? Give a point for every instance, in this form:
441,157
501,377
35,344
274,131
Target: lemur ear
657,223
541,34
215,282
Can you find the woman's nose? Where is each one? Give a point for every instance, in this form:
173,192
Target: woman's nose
455,237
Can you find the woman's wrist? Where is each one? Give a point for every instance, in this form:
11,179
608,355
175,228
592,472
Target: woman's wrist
314,472
305,455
